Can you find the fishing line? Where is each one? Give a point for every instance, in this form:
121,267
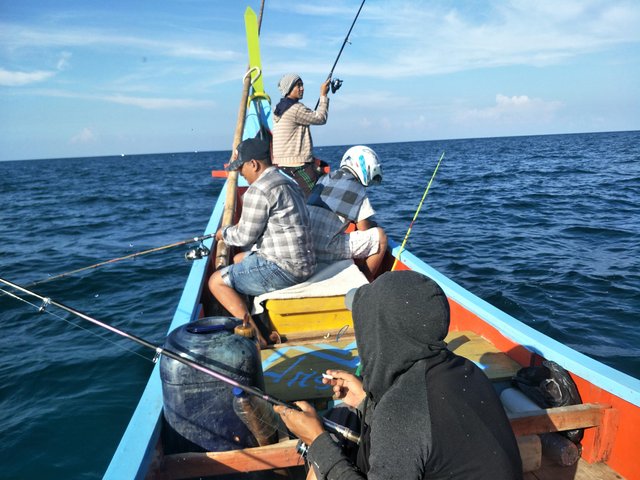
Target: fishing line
46,301
43,309
415,216
337,83
194,254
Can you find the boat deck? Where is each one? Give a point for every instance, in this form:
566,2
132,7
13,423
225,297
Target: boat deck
580,471
292,371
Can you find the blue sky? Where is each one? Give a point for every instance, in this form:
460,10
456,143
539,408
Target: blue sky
86,78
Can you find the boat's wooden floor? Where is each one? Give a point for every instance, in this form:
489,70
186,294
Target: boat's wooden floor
580,471
292,371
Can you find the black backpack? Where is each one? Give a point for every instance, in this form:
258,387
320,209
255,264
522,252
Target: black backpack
549,385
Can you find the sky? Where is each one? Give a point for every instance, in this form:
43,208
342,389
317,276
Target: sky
85,78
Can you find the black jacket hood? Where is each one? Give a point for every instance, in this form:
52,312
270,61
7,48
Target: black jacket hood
400,319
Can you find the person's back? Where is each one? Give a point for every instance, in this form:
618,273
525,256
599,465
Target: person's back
427,413
273,230
288,219
292,143
451,426
339,199
435,407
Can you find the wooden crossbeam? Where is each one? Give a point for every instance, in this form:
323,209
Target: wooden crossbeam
284,455
190,465
558,419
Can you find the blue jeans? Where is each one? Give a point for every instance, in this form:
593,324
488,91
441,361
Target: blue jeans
255,275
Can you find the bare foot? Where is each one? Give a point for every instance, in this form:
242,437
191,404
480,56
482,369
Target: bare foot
275,337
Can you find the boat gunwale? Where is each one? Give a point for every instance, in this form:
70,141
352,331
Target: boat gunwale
593,371
135,451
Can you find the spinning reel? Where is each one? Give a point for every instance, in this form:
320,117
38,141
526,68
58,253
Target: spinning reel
336,83
197,253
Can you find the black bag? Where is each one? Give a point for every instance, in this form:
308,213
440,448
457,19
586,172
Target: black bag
550,385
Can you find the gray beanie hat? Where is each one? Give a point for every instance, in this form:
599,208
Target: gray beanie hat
287,82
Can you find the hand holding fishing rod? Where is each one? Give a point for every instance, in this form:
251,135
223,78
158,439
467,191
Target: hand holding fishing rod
304,421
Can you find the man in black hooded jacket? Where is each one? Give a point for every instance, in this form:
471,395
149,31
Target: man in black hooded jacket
428,413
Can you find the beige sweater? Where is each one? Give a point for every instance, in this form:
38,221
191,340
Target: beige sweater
292,143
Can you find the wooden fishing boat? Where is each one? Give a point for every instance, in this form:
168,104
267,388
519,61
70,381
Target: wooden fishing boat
317,334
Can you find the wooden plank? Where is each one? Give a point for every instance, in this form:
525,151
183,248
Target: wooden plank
190,465
494,363
293,369
294,372
530,452
580,471
558,419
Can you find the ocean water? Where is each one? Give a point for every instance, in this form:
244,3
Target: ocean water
546,228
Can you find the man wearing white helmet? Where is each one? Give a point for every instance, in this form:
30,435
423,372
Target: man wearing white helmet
340,198
292,143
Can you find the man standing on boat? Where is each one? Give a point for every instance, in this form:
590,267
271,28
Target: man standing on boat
340,198
292,143
274,227
427,413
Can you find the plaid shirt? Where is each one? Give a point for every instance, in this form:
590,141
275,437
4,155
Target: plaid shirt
337,199
275,219
292,143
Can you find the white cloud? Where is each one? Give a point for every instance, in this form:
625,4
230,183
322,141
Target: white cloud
444,37
17,36
18,79
514,109
84,137
10,78
156,103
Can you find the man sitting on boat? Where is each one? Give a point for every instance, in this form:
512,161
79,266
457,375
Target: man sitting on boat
292,143
340,198
427,413
274,224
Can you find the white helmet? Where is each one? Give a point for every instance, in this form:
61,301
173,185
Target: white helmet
364,164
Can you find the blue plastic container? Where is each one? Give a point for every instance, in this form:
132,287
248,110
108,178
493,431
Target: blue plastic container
198,408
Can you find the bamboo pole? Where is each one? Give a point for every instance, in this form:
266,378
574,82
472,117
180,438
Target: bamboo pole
222,250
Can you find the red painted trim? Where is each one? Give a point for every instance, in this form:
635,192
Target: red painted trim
614,441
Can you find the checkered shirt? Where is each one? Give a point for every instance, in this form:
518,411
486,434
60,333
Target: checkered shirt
275,219
337,199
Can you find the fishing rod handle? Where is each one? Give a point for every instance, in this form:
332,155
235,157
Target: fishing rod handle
341,430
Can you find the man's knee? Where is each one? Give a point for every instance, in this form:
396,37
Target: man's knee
215,281
382,239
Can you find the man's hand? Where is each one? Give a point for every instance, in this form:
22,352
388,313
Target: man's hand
305,424
346,387
324,88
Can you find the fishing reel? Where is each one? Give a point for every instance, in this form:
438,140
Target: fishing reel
197,253
336,83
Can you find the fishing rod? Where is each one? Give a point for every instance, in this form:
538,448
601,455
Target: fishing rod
194,254
337,83
415,216
46,301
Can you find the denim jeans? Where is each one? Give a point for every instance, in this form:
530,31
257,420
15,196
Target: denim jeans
255,275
